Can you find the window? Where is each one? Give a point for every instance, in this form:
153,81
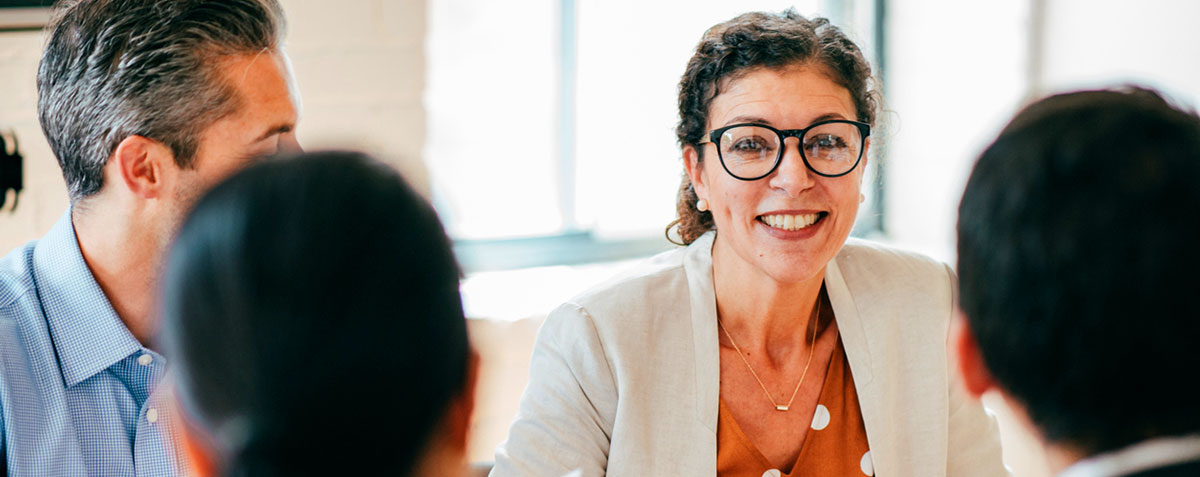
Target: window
524,104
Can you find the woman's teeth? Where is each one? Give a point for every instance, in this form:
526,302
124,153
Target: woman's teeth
790,222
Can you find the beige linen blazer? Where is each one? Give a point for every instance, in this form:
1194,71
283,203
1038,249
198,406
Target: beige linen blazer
624,379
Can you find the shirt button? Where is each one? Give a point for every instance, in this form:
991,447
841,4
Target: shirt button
145,359
152,415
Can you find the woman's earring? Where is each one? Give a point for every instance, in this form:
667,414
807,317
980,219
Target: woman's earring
702,205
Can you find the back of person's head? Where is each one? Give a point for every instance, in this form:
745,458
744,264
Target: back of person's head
312,311
116,68
1077,257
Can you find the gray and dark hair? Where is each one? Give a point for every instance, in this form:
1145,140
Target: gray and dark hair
118,68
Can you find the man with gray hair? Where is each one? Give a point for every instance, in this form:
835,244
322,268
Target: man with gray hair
146,104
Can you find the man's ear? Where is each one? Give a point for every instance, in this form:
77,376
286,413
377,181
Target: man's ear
141,165
695,170
968,358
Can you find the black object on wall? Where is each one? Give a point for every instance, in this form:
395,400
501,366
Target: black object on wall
25,3
10,172
24,15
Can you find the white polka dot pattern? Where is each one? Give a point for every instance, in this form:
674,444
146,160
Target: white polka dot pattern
866,464
820,418
772,473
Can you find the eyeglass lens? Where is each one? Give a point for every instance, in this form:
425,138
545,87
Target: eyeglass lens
752,151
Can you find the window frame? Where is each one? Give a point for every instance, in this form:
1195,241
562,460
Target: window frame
576,245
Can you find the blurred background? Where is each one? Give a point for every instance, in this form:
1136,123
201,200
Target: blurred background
542,130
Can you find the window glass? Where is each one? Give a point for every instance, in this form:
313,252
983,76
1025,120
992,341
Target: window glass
496,103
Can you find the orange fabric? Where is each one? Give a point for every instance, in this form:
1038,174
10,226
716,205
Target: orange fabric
838,448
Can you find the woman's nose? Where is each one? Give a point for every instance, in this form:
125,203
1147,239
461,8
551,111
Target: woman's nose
792,176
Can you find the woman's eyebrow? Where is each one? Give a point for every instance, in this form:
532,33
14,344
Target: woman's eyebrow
747,119
759,120
827,116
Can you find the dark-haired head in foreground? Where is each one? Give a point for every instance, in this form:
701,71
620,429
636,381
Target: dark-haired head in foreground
1077,257
312,307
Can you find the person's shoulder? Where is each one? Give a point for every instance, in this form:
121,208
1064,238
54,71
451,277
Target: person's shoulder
644,289
640,282
889,281
16,283
16,277
879,260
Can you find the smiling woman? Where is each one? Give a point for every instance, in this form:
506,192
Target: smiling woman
770,345
744,207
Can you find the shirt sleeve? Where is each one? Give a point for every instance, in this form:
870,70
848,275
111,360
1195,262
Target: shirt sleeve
565,420
974,436
3,452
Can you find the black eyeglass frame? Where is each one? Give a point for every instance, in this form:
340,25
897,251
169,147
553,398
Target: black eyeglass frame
714,138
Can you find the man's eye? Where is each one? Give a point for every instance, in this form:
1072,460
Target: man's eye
270,147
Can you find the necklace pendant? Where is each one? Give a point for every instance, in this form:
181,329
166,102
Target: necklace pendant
780,407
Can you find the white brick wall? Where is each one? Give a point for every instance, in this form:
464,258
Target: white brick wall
360,66
45,195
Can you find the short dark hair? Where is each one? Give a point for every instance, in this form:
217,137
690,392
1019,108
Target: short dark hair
116,68
311,304
749,42
1077,259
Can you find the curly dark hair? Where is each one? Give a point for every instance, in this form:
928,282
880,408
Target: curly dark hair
748,42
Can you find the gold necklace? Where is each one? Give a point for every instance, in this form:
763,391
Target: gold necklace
811,346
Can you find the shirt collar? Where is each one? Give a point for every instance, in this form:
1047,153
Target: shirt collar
87,334
1151,454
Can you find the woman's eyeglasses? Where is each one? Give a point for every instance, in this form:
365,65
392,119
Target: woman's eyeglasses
751,151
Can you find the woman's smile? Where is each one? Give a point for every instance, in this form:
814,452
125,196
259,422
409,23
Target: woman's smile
792,224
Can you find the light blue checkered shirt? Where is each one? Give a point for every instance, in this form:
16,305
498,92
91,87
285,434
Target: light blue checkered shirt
76,388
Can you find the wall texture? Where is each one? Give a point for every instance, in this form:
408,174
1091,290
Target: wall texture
45,196
359,64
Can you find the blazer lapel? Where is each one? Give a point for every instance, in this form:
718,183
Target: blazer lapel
858,353
703,302
850,325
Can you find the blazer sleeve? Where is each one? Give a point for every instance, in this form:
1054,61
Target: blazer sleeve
565,419
974,440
